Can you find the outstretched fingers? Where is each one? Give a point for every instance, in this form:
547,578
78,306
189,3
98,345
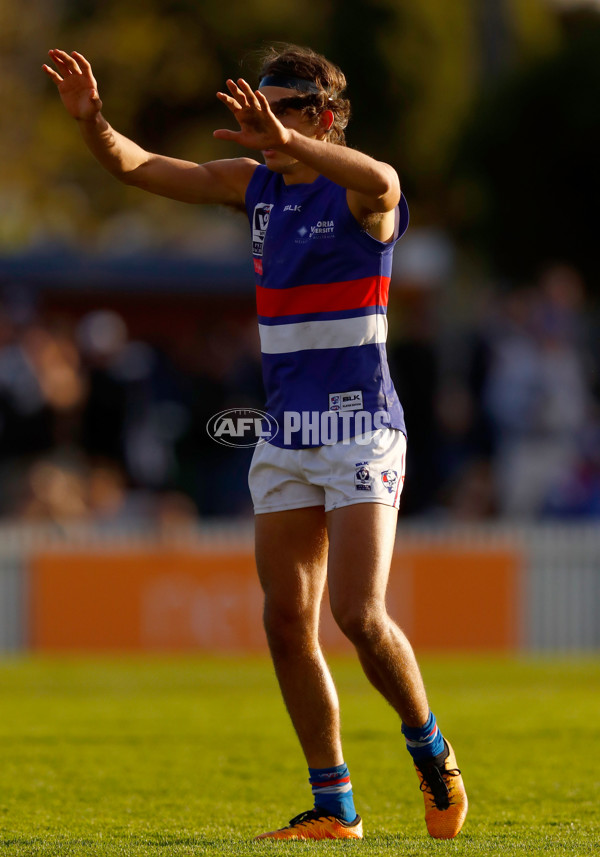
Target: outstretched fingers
262,100
226,134
237,93
228,100
64,63
75,81
84,65
52,74
232,104
243,97
251,109
244,87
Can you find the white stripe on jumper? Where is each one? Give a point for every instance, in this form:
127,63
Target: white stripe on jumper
333,333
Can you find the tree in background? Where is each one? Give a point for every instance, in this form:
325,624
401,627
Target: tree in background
413,69
528,161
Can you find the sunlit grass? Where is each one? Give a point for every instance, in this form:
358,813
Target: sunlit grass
195,756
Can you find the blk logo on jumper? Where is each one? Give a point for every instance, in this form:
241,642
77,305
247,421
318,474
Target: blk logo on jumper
352,400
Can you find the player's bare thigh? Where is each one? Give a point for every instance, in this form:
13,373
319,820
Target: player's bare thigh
361,543
291,558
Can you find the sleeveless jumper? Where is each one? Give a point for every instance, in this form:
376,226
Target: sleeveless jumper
322,286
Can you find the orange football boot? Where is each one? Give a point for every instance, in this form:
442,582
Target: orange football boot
317,824
445,797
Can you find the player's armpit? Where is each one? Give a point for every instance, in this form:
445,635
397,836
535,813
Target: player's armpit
380,223
364,203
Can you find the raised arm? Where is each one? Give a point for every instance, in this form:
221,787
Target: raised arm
222,182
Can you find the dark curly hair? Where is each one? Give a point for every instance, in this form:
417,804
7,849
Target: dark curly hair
296,61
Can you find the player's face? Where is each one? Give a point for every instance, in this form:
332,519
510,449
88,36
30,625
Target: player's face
294,119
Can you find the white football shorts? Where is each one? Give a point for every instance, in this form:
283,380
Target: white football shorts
332,476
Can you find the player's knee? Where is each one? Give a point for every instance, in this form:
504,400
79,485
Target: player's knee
286,626
362,625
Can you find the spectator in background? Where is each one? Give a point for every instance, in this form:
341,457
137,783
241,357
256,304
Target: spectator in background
102,337
132,414
537,391
66,489
415,371
42,388
222,367
55,492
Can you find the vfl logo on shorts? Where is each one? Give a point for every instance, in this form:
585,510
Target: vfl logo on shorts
260,221
389,479
362,477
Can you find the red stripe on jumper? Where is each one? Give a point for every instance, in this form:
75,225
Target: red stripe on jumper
323,297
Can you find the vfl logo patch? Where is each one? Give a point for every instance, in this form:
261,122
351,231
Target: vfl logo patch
389,479
260,221
362,477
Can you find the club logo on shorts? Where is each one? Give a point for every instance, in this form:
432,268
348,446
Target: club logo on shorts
362,477
389,479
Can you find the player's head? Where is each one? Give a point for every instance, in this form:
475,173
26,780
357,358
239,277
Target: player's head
316,85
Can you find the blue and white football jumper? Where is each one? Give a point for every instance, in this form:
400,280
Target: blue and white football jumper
322,286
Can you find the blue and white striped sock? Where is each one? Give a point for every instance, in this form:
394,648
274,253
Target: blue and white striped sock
332,791
425,741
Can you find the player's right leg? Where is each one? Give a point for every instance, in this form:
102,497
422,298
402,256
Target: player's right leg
291,556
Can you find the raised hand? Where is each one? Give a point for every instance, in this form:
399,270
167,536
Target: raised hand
75,83
259,127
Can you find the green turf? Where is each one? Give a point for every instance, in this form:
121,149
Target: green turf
195,756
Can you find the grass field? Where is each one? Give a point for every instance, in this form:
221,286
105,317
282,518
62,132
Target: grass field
195,756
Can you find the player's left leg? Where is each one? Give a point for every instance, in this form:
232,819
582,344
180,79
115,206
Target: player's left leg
361,541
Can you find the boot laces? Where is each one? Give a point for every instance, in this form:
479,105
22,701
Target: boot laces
434,784
308,816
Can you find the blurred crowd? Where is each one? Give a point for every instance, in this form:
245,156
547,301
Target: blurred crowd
502,413
96,426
